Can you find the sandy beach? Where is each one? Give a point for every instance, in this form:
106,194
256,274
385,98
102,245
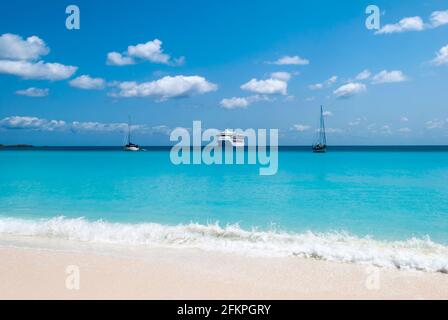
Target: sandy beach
159,273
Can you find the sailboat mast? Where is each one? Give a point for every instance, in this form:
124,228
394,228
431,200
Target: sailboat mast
322,127
129,129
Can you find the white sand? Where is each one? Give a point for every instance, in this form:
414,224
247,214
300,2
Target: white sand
33,273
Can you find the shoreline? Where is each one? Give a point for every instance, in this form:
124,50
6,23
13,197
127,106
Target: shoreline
42,272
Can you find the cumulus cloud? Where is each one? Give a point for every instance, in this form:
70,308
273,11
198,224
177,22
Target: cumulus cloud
31,123
150,51
327,114
290,60
18,55
268,86
441,57
33,92
117,59
284,76
39,124
241,102
404,119
363,75
404,130
434,124
161,129
327,83
39,70
97,127
14,47
88,83
300,127
405,24
234,103
350,89
437,19
165,88
389,77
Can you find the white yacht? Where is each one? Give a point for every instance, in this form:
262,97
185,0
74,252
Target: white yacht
229,136
129,145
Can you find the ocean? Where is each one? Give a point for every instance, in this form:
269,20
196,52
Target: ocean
386,206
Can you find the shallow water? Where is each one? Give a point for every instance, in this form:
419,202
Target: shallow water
389,195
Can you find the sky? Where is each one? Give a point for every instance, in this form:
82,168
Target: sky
246,64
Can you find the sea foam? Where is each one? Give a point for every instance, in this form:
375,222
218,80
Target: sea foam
417,254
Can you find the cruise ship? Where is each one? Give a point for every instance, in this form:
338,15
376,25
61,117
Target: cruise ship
229,136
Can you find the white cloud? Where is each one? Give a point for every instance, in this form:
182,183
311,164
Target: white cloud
327,114
117,59
33,92
166,87
441,57
234,103
268,86
327,83
162,129
389,77
38,124
350,89
363,75
333,130
405,24
300,127
88,83
241,102
284,76
434,124
439,18
37,70
355,123
404,119
150,51
290,60
14,47
98,127
404,130
17,57
31,123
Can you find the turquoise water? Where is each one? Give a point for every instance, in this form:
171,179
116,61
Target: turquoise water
387,195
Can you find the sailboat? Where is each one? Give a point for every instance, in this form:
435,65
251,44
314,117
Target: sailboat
129,145
321,145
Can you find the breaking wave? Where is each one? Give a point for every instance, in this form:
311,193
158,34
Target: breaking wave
417,254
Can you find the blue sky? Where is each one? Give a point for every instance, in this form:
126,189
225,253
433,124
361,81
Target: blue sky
251,64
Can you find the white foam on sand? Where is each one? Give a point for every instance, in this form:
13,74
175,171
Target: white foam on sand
417,254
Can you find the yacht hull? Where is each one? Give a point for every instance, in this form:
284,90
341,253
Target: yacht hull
131,149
